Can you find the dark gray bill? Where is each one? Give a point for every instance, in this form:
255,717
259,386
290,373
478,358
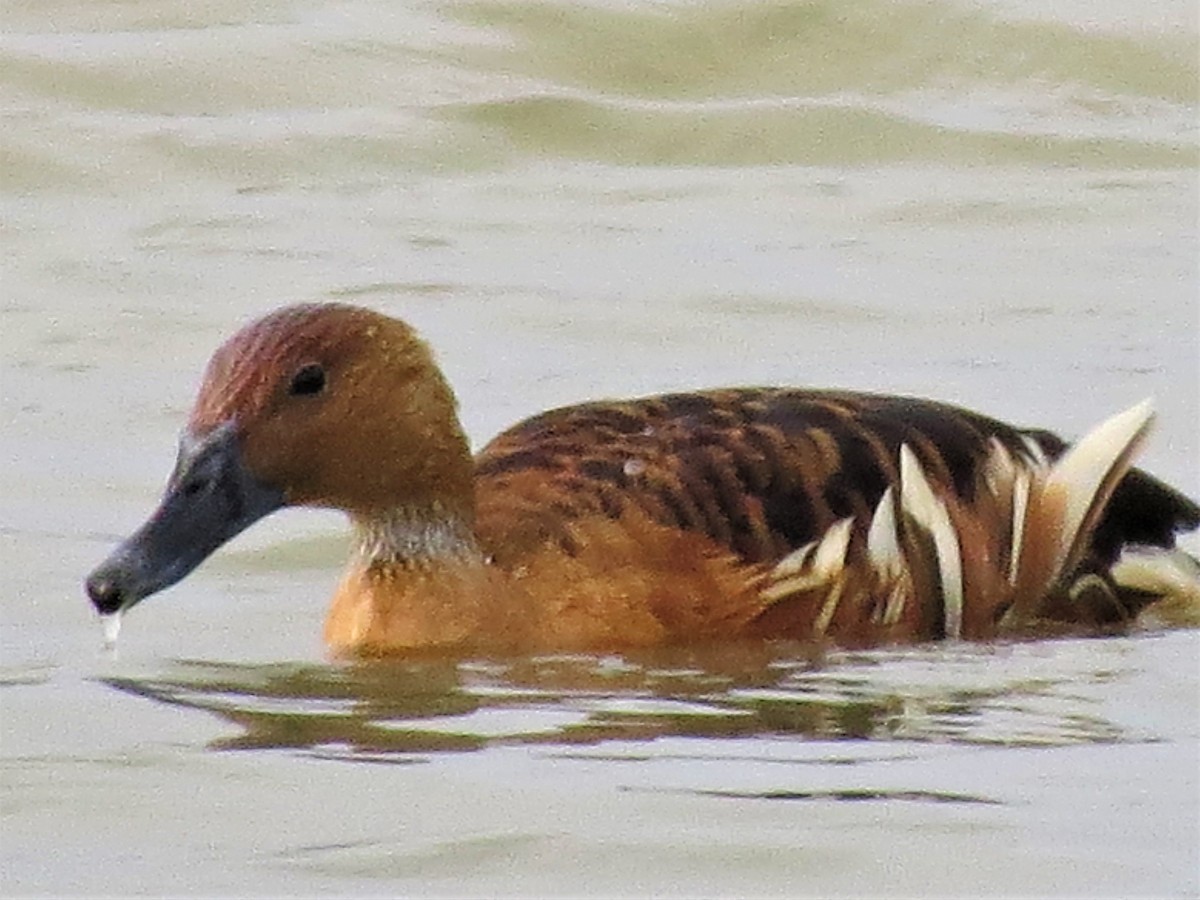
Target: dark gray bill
210,498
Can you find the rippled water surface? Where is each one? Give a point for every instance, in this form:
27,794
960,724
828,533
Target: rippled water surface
992,203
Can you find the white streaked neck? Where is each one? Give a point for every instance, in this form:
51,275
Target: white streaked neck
411,537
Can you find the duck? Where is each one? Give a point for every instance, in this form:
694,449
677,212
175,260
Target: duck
754,513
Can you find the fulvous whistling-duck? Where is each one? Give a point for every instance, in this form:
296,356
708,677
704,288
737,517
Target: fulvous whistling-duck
739,513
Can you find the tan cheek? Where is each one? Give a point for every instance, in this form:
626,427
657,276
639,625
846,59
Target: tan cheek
270,452
314,459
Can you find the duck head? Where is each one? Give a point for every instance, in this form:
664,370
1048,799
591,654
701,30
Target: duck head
322,405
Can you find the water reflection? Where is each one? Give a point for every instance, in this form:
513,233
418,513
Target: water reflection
386,711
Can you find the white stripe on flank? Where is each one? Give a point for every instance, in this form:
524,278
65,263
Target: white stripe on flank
918,499
794,563
1037,456
828,608
1085,471
812,565
1020,505
894,608
831,552
883,544
999,470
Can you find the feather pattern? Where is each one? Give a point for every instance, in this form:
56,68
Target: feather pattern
857,517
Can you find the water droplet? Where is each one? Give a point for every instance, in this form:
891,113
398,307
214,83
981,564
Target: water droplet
112,628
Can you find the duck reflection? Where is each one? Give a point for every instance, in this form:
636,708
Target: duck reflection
389,710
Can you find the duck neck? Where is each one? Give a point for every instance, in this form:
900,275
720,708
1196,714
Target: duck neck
416,581
415,539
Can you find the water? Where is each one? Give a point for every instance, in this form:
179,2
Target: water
989,203
112,630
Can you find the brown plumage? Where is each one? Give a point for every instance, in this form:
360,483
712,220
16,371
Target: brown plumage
751,512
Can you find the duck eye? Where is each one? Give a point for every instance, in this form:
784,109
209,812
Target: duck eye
309,379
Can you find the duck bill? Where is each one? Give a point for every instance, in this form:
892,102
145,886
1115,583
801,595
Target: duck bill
210,498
